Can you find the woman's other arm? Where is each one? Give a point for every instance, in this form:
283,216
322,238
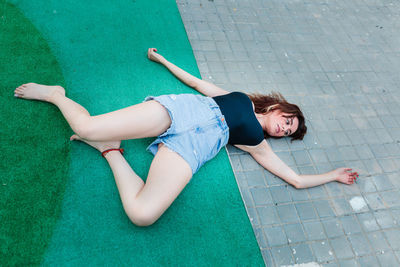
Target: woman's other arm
264,155
206,88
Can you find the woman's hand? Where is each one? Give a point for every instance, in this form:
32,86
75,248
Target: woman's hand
153,56
345,175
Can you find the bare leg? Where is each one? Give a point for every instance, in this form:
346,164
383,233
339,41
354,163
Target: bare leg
143,120
145,203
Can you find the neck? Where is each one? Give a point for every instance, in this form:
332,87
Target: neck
261,119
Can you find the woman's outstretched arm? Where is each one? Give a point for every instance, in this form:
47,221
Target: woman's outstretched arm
264,155
203,87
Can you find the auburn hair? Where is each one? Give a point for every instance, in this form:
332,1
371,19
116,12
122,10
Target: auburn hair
275,101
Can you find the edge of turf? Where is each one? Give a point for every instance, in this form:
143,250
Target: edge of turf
34,140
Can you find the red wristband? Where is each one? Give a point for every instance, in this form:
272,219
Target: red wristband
111,149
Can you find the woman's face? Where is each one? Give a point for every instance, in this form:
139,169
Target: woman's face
280,124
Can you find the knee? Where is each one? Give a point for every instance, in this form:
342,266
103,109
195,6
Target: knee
83,128
141,217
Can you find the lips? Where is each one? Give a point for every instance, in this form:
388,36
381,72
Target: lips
278,129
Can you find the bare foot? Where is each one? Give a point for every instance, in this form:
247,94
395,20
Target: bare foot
38,91
99,145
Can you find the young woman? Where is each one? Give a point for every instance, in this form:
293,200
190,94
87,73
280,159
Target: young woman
190,130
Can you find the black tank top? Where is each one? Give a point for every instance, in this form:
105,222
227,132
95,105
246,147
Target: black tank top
244,128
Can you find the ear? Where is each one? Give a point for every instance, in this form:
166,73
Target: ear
272,107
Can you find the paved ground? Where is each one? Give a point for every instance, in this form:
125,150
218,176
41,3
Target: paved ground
340,61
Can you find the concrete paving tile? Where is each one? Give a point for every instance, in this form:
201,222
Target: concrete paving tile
247,197
326,139
268,215
301,157
348,152
364,151
331,264
236,164
253,216
266,254
351,190
280,194
317,192
248,163
286,157
341,206
391,198
298,194
287,213
262,242
334,189
302,253
366,184
385,219
333,227
261,196
393,238
374,201
282,256
388,165
359,244
348,263
378,242
322,250
368,261
334,154
294,233
350,225
324,167
355,137
306,211
314,230
306,170
275,236
323,208
368,222
341,247
341,139
397,253
379,151
255,178
318,156
387,259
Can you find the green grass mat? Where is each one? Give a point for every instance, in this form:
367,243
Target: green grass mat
101,47
35,159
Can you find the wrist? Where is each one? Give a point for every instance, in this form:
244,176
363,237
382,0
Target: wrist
162,60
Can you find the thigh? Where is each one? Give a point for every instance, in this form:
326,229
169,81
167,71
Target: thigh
147,119
169,173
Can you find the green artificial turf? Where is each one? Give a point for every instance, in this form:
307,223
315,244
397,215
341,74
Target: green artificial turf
33,140
101,47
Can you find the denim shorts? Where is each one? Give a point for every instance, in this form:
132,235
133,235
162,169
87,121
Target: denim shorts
198,130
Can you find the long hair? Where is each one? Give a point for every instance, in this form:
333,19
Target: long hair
275,101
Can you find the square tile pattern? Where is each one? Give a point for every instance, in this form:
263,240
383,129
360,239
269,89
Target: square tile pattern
340,62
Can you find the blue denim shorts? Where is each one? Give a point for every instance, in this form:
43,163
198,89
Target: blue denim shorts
198,130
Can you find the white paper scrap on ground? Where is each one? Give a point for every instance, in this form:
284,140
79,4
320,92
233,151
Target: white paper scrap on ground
357,203
309,264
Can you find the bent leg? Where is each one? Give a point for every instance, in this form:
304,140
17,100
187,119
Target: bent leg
145,203
147,119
